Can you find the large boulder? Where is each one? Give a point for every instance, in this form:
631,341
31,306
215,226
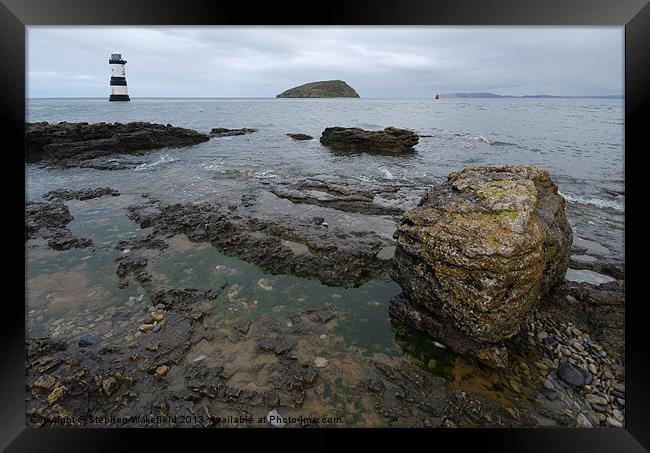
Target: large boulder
68,143
390,140
480,250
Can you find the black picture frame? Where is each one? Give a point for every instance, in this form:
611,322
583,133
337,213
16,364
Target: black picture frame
634,15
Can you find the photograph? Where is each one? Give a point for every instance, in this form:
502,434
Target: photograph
325,226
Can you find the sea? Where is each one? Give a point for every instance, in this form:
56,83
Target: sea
70,293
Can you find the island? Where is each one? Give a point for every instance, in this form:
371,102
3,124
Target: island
322,89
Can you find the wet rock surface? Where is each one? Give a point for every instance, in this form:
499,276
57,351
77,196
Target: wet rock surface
70,144
479,252
391,140
81,194
152,374
49,221
301,136
310,250
339,196
162,350
224,132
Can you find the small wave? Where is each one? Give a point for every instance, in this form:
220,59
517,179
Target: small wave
599,202
387,173
165,159
470,138
214,166
265,174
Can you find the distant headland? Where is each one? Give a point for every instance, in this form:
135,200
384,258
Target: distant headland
527,96
321,89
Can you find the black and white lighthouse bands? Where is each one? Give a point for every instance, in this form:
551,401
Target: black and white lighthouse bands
119,91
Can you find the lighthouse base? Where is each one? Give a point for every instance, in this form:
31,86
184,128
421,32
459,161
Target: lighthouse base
119,97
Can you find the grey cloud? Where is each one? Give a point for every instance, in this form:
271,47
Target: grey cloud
377,61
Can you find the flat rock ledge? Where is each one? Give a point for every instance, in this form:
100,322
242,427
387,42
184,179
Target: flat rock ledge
478,253
301,136
69,143
390,141
223,132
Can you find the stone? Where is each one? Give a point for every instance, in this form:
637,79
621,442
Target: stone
58,393
618,415
146,327
516,386
157,317
390,141
199,359
275,419
321,362
583,422
595,399
300,136
613,422
480,250
571,374
88,340
44,381
161,371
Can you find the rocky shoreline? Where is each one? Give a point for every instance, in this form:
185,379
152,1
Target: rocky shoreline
72,144
554,356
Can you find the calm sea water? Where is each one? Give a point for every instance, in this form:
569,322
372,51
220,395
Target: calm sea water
579,141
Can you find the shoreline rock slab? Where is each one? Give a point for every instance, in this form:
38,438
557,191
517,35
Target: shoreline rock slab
69,143
481,249
50,221
300,136
81,194
223,132
391,140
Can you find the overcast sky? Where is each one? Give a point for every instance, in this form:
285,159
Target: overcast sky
384,62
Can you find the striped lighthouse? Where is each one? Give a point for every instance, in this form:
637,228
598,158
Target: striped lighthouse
119,91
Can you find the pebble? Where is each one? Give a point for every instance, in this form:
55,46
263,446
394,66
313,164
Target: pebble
321,362
160,307
618,415
157,316
595,399
56,394
583,422
571,374
161,371
620,401
200,358
274,418
146,327
322,336
156,328
515,385
88,340
613,422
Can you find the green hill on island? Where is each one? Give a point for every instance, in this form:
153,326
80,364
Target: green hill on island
323,89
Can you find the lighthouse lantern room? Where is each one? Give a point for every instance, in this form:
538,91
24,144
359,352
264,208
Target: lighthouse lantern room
119,90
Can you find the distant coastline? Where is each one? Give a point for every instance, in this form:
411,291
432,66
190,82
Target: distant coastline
527,96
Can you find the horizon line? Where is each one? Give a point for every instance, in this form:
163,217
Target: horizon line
451,95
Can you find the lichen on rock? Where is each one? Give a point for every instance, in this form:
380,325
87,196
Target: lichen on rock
481,249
